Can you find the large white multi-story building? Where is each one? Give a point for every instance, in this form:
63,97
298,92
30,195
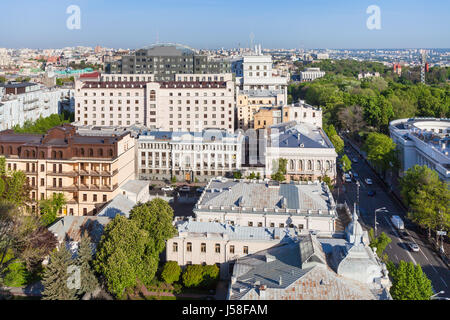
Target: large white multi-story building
302,205
180,105
423,141
188,155
20,102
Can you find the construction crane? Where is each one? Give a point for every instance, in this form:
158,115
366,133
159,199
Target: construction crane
423,65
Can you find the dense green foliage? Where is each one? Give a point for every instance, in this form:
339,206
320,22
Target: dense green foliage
156,218
16,274
237,175
171,272
380,150
56,276
427,196
352,105
335,139
346,163
126,256
409,282
49,208
380,242
200,276
42,125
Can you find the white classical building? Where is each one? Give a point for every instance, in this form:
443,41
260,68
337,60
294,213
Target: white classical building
188,155
423,141
180,105
220,243
311,74
20,102
304,206
307,149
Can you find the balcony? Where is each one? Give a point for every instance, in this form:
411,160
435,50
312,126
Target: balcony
64,173
70,188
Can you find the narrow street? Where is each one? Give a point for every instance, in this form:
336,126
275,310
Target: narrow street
398,249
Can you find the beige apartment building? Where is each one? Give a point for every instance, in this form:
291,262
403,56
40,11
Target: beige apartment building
88,169
220,243
127,100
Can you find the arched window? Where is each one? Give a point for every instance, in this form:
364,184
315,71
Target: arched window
53,154
328,164
33,154
91,152
27,153
60,155
100,152
309,167
291,165
319,165
82,152
110,152
300,165
42,155
1,150
10,150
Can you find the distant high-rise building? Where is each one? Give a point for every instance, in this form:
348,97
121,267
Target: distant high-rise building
164,61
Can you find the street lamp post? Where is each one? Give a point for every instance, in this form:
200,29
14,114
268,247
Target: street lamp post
435,295
357,194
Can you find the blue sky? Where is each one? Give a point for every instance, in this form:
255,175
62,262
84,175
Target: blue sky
226,23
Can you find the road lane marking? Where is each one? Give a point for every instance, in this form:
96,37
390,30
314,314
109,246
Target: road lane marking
396,257
396,234
424,255
443,282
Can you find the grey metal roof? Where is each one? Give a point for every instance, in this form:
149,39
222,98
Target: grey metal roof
298,134
70,228
235,232
260,195
119,205
135,186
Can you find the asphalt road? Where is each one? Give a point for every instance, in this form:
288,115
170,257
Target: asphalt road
397,250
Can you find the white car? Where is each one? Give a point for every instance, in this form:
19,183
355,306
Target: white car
368,181
185,188
347,178
413,246
167,188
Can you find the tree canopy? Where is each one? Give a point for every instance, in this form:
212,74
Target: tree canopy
409,282
380,150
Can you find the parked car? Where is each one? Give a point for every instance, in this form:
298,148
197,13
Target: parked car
200,190
397,222
371,193
185,188
369,181
404,235
347,178
167,188
355,176
413,246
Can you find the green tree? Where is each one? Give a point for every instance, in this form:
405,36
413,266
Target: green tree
193,275
171,272
237,175
409,282
125,256
173,179
156,218
210,275
335,139
89,282
281,169
427,196
380,242
346,163
50,207
380,150
56,276
252,176
328,181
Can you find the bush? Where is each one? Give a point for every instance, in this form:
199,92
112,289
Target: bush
210,275
17,275
171,272
193,275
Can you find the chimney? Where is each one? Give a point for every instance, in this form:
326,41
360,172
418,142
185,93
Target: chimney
262,292
280,282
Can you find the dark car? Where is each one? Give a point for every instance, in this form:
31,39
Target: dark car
405,235
371,193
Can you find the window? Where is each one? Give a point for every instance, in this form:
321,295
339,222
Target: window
217,247
231,249
203,247
104,198
245,250
250,224
84,197
175,247
259,224
95,198
189,247
272,225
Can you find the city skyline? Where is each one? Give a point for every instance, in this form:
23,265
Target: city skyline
220,24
